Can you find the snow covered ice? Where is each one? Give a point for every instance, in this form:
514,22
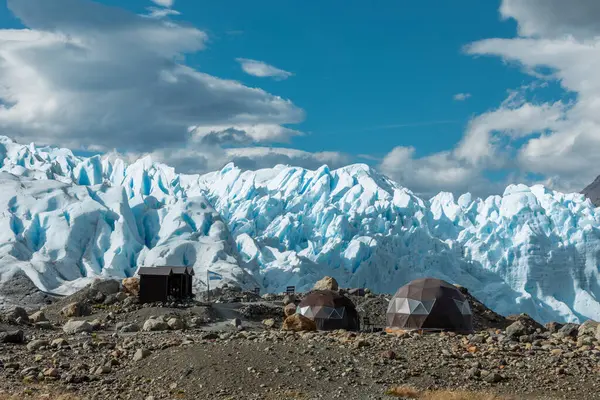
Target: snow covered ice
66,220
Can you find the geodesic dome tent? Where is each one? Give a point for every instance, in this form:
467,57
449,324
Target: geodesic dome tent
430,304
330,310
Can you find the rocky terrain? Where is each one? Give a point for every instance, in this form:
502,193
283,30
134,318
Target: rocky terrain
592,191
101,344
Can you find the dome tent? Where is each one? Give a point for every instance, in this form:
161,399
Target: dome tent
430,304
330,310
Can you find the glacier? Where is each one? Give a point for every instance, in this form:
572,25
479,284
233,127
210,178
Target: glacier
68,219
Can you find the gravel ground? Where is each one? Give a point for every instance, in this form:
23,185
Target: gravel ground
238,351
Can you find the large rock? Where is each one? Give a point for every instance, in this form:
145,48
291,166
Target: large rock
12,337
289,299
290,309
176,324
569,330
140,354
17,314
516,330
131,286
37,344
152,325
109,286
76,309
298,323
327,283
37,317
73,326
588,328
130,328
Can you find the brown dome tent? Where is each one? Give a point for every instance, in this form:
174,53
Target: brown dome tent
430,304
330,310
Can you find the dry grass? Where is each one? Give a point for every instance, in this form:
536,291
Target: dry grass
38,394
407,392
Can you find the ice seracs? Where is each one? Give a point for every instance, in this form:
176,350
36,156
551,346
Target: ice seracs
68,219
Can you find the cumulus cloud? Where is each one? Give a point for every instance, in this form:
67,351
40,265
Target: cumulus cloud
156,12
88,74
164,3
557,141
461,96
554,18
211,158
262,69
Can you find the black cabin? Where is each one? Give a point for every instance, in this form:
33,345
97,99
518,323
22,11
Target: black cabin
161,284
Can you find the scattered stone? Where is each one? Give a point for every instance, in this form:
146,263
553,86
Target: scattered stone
516,330
569,330
16,314
37,344
269,323
289,310
176,324
108,287
140,354
130,328
493,377
327,283
38,316
73,326
298,323
588,328
76,309
131,286
553,327
289,299
12,337
155,325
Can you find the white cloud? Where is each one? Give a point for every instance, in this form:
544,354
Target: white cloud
262,70
155,12
554,18
242,134
87,74
558,140
461,96
206,158
164,3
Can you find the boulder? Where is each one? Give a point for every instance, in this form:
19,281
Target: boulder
588,328
153,325
569,330
109,286
140,354
289,299
269,323
290,309
12,337
176,324
515,330
17,313
76,309
111,299
131,286
297,323
327,283
130,328
553,327
37,317
73,326
37,344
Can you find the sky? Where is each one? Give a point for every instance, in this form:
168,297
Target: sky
440,96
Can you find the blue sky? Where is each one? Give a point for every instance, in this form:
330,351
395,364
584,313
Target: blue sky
359,67
438,95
